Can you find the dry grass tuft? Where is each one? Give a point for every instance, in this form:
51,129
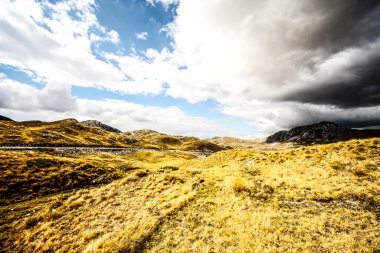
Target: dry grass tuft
237,185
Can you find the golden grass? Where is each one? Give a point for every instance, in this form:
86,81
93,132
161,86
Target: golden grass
322,198
70,132
115,217
29,175
26,175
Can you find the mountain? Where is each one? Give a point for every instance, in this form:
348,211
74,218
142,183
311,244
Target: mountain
323,132
70,132
95,123
5,118
165,141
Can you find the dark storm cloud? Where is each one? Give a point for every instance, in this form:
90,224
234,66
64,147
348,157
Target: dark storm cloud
345,25
342,24
361,91
359,123
353,118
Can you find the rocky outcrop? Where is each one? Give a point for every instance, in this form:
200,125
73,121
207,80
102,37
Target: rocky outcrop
95,123
323,132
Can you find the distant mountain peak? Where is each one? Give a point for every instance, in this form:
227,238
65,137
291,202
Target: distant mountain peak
327,123
95,123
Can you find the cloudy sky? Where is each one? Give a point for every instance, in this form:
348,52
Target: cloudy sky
243,68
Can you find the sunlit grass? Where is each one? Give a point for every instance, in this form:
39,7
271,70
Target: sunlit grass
321,198
70,132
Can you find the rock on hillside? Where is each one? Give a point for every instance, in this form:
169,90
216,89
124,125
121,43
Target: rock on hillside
322,132
95,123
5,118
143,133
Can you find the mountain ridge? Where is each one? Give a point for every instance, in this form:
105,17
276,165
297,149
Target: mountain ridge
322,132
72,133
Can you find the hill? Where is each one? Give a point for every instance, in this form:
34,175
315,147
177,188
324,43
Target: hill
5,118
95,123
323,132
28,175
320,198
70,132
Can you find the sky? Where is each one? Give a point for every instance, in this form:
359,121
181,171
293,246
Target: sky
244,68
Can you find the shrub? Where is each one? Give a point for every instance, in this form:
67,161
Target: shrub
169,168
174,179
127,168
237,185
337,165
361,158
141,173
359,172
32,221
170,140
41,163
370,166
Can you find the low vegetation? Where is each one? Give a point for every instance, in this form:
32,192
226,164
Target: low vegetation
26,175
320,198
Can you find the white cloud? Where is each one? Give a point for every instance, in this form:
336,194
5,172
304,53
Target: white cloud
23,102
130,116
54,97
57,49
165,3
142,35
57,97
111,36
17,96
246,55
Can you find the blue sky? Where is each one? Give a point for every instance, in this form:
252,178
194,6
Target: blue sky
205,68
140,27
132,17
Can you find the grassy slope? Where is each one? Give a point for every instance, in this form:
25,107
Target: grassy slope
70,132
26,175
323,198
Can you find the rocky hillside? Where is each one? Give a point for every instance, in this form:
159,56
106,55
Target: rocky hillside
95,123
323,132
70,132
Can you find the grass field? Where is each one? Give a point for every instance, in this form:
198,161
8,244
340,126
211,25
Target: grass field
321,198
